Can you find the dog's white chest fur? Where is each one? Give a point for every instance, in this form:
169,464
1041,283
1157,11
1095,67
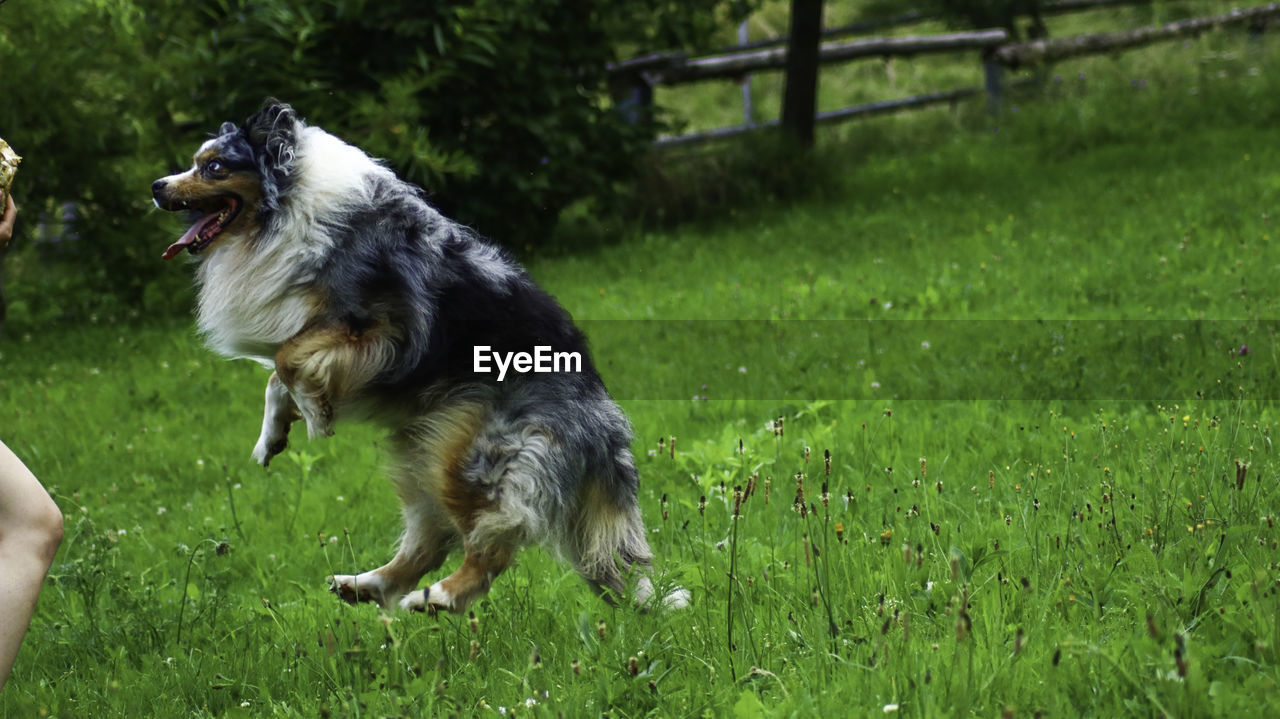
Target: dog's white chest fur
249,303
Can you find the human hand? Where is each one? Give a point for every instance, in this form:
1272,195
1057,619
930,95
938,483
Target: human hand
7,221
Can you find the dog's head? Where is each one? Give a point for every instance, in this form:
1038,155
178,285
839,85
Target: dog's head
236,180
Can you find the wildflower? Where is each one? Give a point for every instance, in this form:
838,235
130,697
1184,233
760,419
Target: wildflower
890,708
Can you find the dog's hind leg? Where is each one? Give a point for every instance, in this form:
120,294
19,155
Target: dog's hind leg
499,493
280,412
427,540
438,508
324,365
470,582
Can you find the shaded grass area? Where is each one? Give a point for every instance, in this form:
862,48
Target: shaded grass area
1069,548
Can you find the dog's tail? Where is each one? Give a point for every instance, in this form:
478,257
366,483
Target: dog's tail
611,547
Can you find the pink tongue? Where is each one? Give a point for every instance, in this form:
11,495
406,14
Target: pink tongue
188,237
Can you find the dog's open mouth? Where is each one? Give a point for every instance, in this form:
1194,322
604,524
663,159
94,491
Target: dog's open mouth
210,219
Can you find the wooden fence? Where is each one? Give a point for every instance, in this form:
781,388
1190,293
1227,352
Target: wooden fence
639,75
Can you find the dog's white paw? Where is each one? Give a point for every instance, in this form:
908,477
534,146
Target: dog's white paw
677,599
269,445
432,599
353,588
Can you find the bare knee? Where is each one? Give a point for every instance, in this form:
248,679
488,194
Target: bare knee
44,528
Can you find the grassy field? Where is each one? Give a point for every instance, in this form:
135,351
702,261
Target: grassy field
1041,357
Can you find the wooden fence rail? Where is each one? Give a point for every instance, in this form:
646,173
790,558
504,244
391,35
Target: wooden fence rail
1051,50
642,73
682,70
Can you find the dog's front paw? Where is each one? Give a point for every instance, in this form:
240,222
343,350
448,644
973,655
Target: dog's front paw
268,447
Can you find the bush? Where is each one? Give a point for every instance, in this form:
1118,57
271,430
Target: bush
499,108
81,104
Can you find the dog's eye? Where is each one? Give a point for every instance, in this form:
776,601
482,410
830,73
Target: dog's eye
215,168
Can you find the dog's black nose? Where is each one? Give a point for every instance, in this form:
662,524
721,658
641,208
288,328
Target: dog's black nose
157,188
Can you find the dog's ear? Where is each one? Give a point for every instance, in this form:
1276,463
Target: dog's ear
274,131
228,128
273,134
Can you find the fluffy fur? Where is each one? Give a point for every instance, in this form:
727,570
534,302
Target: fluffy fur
318,262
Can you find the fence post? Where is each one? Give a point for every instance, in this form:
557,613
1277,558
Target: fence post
748,109
800,88
993,72
636,104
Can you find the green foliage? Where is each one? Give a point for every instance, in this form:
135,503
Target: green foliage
82,98
973,13
500,109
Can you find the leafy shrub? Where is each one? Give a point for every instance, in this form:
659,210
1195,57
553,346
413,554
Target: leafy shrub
500,109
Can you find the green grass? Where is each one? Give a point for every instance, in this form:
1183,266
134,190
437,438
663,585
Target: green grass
1082,496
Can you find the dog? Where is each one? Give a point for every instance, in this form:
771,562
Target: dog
317,261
